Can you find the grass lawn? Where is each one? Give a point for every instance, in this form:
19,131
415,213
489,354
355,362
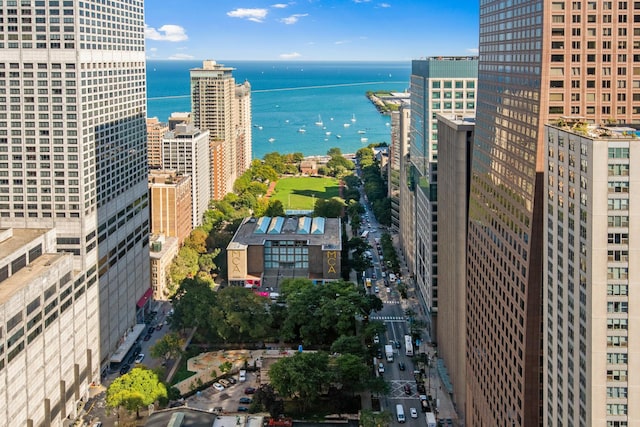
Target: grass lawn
301,192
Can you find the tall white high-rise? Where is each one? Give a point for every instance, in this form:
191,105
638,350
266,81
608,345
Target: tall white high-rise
72,160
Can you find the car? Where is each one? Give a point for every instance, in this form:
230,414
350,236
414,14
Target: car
374,276
397,344
245,400
224,382
232,380
147,337
407,389
139,358
150,330
249,390
218,386
376,290
132,359
124,369
379,354
402,366
159,326
97,424
448,422
380,368
413,412
242,409
376,339
388,290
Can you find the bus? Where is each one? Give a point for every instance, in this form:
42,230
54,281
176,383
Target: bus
408,345
364,234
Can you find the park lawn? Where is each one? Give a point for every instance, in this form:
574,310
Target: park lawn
300,193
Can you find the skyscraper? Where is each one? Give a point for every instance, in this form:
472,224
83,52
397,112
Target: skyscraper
438,85
590,307
155,131
224,109
538,60
73,150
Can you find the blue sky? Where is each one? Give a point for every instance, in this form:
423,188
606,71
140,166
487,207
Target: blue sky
310,29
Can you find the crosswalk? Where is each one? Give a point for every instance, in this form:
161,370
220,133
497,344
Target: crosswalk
395,301
388,318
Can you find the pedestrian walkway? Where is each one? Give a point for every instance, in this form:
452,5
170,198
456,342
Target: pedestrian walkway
388,318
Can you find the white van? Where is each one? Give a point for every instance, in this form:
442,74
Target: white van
242,377
400,413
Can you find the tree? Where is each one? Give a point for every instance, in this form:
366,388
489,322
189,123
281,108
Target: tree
197,240
240,314
168,347
304,376
331,208
275,208
349,344
351,372
369,418
192,303
184,265
134,390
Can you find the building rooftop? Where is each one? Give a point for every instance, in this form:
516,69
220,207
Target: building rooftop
578,126
317,231
162,242
14,238
28,274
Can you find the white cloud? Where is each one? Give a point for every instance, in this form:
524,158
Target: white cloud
255,15
342,42
291,55
153,49
361,1
180,56
384,5
279,5
293,18
473,50
167,33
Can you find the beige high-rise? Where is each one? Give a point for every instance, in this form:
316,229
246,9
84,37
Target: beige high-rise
224,109
591,356
155,131
539,60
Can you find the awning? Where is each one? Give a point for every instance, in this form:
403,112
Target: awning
143,299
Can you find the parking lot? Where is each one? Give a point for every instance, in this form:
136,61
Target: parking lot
232,399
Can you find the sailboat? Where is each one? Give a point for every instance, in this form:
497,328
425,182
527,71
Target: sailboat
319,122
353,118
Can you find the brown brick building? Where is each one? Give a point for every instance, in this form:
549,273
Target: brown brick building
170,197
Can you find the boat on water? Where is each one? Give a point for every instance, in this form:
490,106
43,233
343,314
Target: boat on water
338,136
346,125
364,139
353,118
327,133
362,132
271,139
259,127
319,122
302,130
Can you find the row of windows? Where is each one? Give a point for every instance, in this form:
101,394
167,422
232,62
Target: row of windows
456,105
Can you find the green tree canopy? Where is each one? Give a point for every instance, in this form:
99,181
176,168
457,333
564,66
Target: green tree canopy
238,313
192,303
331,208
167,347
303,376
134,390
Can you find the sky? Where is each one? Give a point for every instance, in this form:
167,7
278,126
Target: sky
310,30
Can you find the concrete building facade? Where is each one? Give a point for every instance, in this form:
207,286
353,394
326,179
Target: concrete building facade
155,132
224,109
162,252
170,204
406,202
569,59
455,143
76,136
590,309
444,85
49,326
186,151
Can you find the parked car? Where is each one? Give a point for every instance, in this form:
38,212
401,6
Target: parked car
249,390
150,330
245,400
242,409
224,382
159,326
147,337
218,386
376,339
232,380
381,368
139,358
132,359
124,369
